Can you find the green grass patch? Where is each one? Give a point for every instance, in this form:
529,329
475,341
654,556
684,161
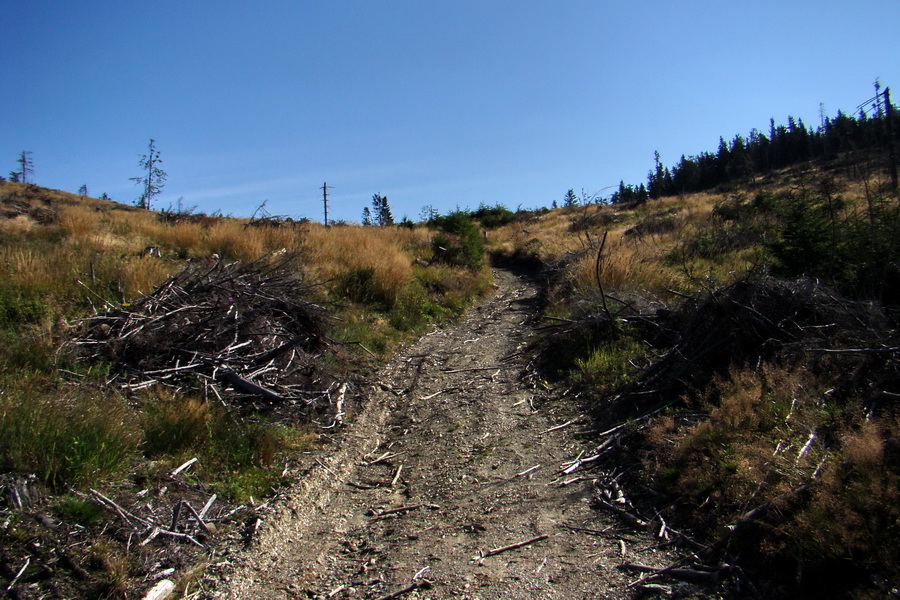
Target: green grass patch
76,437
84,511
612,364
238,456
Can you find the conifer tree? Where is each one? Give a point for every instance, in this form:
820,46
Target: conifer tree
26,167
155,178
381,212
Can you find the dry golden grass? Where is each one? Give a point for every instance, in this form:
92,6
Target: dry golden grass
78,222
389,251
17,226
30,270
233,241
638,241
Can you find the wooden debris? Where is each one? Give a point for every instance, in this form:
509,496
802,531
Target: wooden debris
696,575
397,476
248,386
514,546
626,516
439,392
418,585
183,467
208,505
157,531
123,514
360,486
249,325
383,458
527,471
161,591
18,576
403,509
564,425
448,371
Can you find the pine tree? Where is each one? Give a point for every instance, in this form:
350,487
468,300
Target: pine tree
26,167
366,217
152,183
655,180
570,199
382,211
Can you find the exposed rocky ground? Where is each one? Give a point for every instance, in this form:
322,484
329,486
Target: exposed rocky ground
450,484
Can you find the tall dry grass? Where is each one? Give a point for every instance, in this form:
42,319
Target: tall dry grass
390,252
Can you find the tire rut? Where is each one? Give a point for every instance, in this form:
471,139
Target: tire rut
429,480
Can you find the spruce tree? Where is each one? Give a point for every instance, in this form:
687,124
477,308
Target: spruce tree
155,178
26,167
381,211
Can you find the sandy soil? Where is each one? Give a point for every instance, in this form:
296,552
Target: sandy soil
450,459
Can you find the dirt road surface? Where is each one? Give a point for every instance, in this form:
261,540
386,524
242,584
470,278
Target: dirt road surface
448,468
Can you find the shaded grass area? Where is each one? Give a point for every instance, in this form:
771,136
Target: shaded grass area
757,432
757,413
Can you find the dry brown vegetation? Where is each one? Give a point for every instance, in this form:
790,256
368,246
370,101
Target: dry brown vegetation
740,345
760,412
118,411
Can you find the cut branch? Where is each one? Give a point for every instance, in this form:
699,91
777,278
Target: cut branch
514,546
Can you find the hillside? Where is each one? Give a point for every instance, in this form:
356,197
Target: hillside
726,359
741,345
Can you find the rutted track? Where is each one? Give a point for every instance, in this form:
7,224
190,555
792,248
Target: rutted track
455,443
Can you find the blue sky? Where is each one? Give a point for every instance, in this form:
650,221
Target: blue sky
429,102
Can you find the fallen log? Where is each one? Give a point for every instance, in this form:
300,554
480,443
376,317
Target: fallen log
694,575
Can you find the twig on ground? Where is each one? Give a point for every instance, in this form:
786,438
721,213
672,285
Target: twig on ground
527,471
423,585
183,467
514,546
15,579
564,425
397,476
403,509
696,575
438,393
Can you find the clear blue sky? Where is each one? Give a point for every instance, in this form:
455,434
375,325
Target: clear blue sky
429,102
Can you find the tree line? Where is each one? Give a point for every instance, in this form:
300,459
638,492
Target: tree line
761,153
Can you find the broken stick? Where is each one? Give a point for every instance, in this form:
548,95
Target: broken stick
424,585
397,476
514,546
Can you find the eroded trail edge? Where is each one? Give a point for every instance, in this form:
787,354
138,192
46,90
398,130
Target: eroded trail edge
447,485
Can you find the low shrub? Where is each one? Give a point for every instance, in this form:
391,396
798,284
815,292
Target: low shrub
459,242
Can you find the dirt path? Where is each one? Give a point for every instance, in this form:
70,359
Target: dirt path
462,457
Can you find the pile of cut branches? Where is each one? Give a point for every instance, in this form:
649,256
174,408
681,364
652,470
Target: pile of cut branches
249,325
741,425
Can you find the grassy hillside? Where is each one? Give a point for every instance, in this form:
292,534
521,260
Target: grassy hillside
116,325
737,348
739,351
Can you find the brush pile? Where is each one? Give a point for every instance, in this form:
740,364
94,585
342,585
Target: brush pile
756,320
251,326
751,321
